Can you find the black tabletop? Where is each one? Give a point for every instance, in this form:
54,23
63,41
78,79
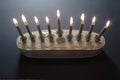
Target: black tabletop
105,66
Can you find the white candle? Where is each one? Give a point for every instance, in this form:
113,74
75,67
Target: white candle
82,18
39,29
59,24
47,20
48,24
107,24
27,27
103,30
18,28
36,21
58,14
24,20
93,20
91,28
71,25
15,22
71,21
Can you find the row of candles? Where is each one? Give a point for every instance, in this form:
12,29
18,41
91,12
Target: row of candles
59,31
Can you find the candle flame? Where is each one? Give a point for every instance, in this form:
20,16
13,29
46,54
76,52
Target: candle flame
24,20
36,20
71,21
82,17
107,24
47,20
15,22
58,13
94,19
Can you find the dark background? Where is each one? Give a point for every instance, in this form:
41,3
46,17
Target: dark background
105,66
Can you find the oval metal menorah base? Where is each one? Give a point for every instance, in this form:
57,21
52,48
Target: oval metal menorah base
60,47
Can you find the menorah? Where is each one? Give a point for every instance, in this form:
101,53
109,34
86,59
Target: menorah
60,43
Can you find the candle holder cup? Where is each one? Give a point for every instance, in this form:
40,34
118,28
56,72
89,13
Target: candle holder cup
88,37
97,39
32,38
79,37
50,36
23,39
69,37
59,33
41,38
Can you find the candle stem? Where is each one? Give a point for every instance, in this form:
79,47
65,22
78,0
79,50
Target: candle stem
49,29
40,32
59,28
70,34
50,33
80,32
70,30
22,36
100,34
29,31
89,33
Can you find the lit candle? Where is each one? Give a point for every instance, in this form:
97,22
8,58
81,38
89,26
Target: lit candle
70,29
82,25
27,27
91,28
59,25
103,30
18,28
48,25
38,26
71,25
